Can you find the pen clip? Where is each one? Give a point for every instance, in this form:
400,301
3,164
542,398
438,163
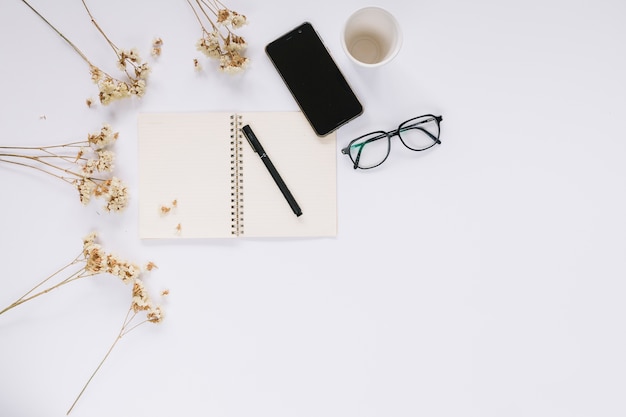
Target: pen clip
252,140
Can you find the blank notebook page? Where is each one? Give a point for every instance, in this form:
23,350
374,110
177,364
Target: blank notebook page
186,157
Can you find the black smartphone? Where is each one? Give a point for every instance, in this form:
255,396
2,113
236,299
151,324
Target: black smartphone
313,78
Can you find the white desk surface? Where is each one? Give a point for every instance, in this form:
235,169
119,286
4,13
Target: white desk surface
486,278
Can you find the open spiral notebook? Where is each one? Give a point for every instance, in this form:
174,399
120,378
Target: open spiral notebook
199,177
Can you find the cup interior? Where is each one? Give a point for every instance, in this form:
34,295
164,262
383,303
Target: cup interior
371,36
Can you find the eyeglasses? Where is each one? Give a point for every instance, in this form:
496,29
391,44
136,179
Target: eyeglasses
417,134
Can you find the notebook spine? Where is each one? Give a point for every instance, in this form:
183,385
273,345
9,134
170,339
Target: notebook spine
236,175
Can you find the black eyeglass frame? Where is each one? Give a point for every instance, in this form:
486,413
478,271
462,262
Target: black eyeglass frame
404,126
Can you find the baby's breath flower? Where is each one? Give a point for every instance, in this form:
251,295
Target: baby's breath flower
224,16
112,89
96,73
218,40
209,45
115,193
90,167
155,315
90,239
86,188
128,56
124,270
105,137
233,63
157,44
105,161
235,43
138,88
142,71
141,300
96,258
238,20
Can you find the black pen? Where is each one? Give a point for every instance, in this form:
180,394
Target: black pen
256,146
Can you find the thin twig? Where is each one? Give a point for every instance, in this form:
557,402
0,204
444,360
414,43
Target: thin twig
39,160
121,334
93,20
36,168
82,55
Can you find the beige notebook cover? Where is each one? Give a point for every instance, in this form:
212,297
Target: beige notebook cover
200,178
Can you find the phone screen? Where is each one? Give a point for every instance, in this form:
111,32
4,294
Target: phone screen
315,81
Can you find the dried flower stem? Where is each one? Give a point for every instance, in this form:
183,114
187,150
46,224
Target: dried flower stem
93,260
110,87
86,165
37,161
81,273
124,330
93,21
82,55
120,53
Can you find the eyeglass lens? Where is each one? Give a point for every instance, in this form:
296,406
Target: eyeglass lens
417,134
370,150
420,133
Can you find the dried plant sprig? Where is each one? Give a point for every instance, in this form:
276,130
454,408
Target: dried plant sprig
91,261
87,165
167,208
218,40
157,45
128,61
141,302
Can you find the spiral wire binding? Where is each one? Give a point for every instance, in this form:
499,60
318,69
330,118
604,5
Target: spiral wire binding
236,175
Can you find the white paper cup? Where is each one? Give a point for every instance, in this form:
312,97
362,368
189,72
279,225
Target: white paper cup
371,37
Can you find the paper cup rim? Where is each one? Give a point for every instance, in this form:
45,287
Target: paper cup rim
399,41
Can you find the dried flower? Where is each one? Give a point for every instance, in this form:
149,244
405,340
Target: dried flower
104,138
94,260
114,192
98,260
135,70
232,63
166,209
218,40
91,261
141,299
155,315
87,165
157,44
